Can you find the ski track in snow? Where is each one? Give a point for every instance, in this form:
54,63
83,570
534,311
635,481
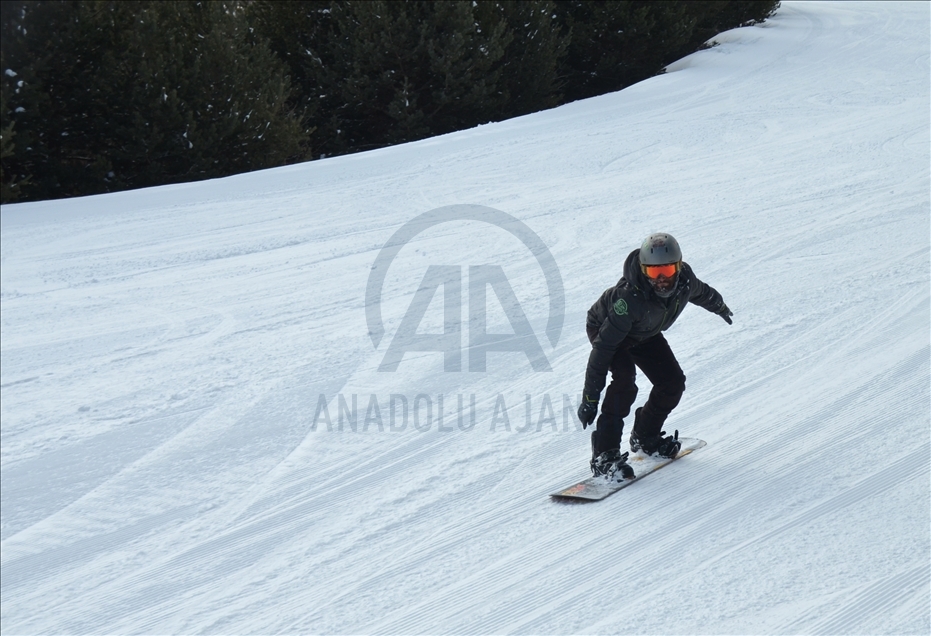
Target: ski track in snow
164,353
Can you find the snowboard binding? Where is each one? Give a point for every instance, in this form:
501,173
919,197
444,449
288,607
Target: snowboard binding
610,464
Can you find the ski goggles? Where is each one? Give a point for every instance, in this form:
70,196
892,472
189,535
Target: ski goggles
655,271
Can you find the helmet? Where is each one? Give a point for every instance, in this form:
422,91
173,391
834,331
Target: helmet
657,251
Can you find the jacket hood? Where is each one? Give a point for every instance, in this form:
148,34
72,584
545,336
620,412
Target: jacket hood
633,275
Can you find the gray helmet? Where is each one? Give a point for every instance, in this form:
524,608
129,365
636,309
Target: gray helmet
661,249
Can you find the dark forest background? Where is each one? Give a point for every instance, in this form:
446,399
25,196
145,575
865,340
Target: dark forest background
100,96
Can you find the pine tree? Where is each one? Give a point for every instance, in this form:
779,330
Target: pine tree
532,61
11,183
714,16
131,94
401,71
615,44
298,33
208,99
34,103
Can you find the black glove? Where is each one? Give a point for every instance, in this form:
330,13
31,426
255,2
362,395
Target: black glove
725,313
587,410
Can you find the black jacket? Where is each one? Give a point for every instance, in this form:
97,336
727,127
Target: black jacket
631,312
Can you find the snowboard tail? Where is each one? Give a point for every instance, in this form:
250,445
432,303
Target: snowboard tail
597,488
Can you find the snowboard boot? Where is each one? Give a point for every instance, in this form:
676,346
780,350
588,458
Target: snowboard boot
658,445
667,446
610,463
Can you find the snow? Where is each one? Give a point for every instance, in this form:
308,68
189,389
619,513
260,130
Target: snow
164,352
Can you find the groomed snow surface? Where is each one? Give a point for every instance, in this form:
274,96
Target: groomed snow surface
164,354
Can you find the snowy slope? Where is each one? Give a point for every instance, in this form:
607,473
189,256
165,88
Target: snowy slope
164,353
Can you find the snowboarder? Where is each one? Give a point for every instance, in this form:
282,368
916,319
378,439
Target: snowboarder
625,328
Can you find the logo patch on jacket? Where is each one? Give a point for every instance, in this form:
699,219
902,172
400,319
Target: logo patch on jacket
620,307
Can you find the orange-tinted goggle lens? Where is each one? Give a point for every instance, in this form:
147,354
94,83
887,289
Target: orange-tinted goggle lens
655,271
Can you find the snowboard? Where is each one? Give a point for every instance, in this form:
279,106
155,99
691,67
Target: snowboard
597,488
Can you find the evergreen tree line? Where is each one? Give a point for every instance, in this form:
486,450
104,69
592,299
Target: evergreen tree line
103,95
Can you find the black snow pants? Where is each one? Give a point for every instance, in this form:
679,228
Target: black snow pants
659,364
